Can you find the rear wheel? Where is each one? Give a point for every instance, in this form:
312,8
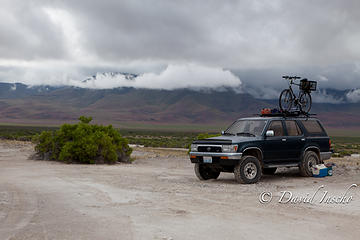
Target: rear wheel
205,172
309,160
305,102
285,100
248,170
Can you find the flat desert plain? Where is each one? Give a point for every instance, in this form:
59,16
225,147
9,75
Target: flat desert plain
159,197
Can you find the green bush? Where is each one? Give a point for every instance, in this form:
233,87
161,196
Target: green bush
206,135
83,143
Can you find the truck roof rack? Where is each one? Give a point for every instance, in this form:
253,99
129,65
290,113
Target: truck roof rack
287,114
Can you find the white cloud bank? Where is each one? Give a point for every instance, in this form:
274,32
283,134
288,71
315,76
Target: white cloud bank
322,96
172,77
353,96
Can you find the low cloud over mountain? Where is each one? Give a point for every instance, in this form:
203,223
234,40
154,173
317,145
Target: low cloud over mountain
187,76
354,95
190,76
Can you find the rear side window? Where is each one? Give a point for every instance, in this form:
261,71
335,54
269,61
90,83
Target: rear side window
277,127
312,126
292,128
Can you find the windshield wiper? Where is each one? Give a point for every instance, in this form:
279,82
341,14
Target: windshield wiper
246,133
231,134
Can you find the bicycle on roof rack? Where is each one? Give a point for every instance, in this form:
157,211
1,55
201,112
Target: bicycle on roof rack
289,102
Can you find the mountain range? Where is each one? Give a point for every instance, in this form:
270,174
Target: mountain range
50,105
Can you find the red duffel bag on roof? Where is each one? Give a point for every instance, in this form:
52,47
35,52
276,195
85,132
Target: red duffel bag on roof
265,111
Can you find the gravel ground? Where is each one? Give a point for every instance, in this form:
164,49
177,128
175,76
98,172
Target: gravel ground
159,197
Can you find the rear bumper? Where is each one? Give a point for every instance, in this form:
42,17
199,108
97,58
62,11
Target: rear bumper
325,155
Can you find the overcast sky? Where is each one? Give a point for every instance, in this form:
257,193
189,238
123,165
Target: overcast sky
180,43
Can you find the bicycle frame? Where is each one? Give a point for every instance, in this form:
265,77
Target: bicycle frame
291,82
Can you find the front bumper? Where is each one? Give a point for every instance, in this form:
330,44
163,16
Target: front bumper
212,154
220,158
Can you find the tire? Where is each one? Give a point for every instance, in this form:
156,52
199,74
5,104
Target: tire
310,158
305,102
248,170
269,171
205,172
285,100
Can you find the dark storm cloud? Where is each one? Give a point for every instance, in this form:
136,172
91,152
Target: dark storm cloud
26,33
131,30
235,34
258,40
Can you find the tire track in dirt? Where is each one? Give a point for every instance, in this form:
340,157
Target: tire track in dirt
17,208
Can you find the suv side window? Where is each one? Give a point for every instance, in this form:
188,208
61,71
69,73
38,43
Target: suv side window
292,128
312,126
277,127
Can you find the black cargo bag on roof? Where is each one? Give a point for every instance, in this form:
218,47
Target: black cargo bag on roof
307,85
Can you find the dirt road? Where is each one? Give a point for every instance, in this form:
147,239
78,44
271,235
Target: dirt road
159,197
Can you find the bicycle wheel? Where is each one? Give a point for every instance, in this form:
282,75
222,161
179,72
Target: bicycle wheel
305,102
285,100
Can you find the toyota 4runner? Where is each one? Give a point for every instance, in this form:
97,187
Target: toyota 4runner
254,146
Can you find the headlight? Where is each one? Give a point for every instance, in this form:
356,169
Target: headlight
229,148
194,147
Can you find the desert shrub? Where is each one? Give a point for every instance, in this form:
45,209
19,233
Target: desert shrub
21,133
83,143
344,147
206,135
155,141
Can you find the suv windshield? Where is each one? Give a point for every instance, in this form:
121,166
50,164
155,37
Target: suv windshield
250,128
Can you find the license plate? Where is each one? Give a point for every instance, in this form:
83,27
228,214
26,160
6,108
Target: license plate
207,159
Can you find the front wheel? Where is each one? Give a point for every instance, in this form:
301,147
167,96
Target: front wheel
286,100
205,172
305,102
248,170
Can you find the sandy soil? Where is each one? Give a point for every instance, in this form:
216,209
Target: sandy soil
159,197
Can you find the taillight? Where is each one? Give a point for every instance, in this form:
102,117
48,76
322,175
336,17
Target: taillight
329,143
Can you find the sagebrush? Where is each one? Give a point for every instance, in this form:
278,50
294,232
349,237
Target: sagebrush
83,143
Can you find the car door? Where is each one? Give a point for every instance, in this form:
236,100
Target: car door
274,147
295,140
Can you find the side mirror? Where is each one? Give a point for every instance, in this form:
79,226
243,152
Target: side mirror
270,133
222,132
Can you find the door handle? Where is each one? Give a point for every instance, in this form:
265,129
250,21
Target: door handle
284,139
303,139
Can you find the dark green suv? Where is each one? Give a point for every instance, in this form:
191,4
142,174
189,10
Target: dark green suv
254,146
